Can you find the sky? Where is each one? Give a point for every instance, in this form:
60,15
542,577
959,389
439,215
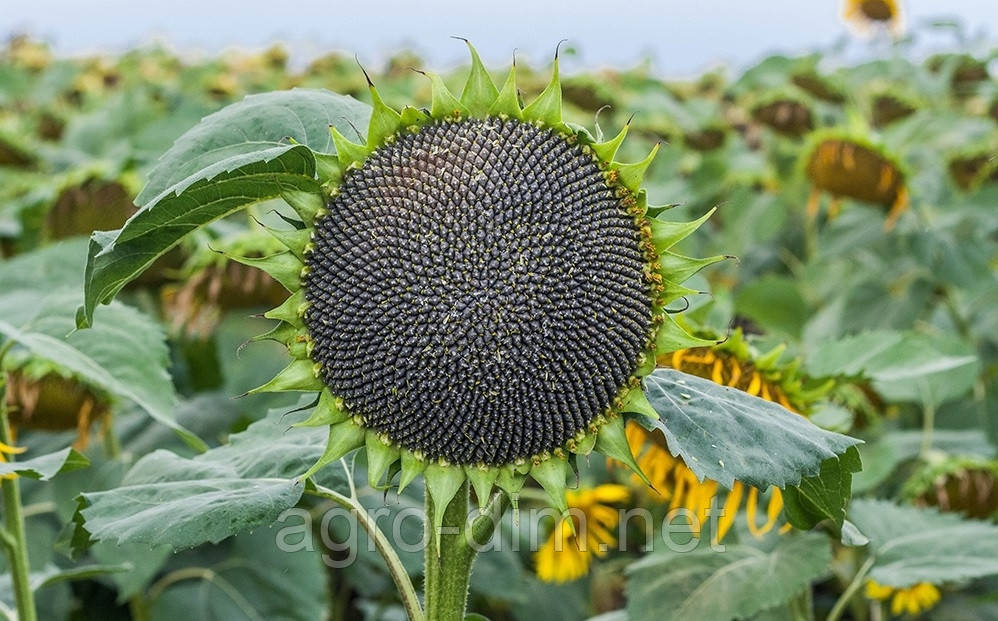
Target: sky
680,37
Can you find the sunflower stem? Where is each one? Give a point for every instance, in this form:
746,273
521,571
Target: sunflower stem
17,548
410,600
850,591
928,425
448,564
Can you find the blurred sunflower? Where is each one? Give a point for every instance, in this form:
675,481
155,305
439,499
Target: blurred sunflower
41,396
847,166
863,16
733,364
908,600
964,485
210,284
569,551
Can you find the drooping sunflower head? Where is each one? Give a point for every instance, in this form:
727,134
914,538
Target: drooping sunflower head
43,396
864,16
481,292
892,105
962,485
974,164
849,166
785,112
208,284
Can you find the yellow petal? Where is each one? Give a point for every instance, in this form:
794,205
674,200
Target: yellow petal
12,450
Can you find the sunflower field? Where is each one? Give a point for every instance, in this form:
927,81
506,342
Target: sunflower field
505,343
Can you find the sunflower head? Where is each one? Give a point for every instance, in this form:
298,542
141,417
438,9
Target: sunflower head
785,112
849,166
890,106
973,165
94,204
480,294
962,485
818,86
210,283
42,396
912,600
22,51
863,16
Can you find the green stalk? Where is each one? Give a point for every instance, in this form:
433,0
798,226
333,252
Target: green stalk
928,424
448,567
14,540
850,591
410,600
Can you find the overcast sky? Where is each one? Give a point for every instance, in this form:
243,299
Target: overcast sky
682,37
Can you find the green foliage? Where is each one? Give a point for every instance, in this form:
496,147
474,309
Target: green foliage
824,496
912,545
44,467
125,356
166,499
727,435
737,583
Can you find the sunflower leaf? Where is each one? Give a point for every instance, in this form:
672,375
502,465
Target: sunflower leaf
737,583
116,257
44,467
255,129
180,502
260,148
913,545
727,435
824,496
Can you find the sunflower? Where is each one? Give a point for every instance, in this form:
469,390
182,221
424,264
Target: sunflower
908,600
864,16
974,164
480,295
42,397
730,364
569,551
888,107
210,284
785,113
850,167
963,485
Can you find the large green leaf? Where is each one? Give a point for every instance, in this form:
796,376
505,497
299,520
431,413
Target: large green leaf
255,129
44,467
125,356
913,545
775,302
737,583
251,577
116,257
726,434
187,513
823,497
904,366
248,152
168,499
